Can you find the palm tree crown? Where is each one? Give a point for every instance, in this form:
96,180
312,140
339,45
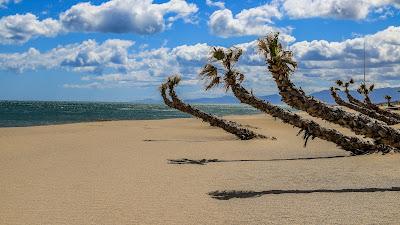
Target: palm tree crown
388,99
339,83
280,59
227,58
365,90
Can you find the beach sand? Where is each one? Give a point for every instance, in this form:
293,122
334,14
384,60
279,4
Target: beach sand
118,173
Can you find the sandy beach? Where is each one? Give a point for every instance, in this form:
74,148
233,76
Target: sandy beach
118,173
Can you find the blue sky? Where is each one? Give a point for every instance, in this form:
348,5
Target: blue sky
120,50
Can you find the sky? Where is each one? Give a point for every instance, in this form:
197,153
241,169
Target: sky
121,50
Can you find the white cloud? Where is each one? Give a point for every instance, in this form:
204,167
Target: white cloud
382,47
218,4
114,16
191,53
256,21
88,56
117,63
92,57
18,29
329,61
111,61
126,16
84,86
340,9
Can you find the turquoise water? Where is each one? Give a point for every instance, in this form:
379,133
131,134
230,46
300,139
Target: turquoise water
32,113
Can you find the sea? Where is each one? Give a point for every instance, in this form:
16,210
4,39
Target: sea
36,113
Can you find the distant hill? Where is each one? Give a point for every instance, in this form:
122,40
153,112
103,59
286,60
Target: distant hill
378,96
275,99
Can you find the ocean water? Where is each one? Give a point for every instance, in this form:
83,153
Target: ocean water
34,113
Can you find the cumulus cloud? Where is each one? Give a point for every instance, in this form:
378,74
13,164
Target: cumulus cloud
88,56
339,60
116,63
114,16
18,28
126,16
256,21
92,57
259,21
382,47
218,4
112,61
339,9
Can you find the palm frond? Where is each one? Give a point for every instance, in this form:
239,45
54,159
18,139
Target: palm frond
371,88
335,89
362,89
173,81
213,83
226,86
282,60
237,52
209,71
226,58
163,87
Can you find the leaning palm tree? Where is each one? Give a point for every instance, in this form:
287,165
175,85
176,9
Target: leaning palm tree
232,79
175,102
389,99
281,65
363,104
345,86
368,112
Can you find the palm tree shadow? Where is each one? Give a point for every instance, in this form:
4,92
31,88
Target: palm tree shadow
206,161
227,195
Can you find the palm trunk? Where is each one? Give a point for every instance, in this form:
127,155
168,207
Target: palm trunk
368,100
353,100
372,107
311,129
360,124
365,111
163,91
229,126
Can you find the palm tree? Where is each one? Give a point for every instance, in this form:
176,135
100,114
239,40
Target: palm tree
365,111
346,90
374,107
388,99
365,90
281,65
175,102
231,78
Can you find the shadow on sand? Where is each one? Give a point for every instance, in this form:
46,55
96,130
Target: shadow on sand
206,161
226,195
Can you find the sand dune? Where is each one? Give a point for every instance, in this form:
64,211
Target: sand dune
119,173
